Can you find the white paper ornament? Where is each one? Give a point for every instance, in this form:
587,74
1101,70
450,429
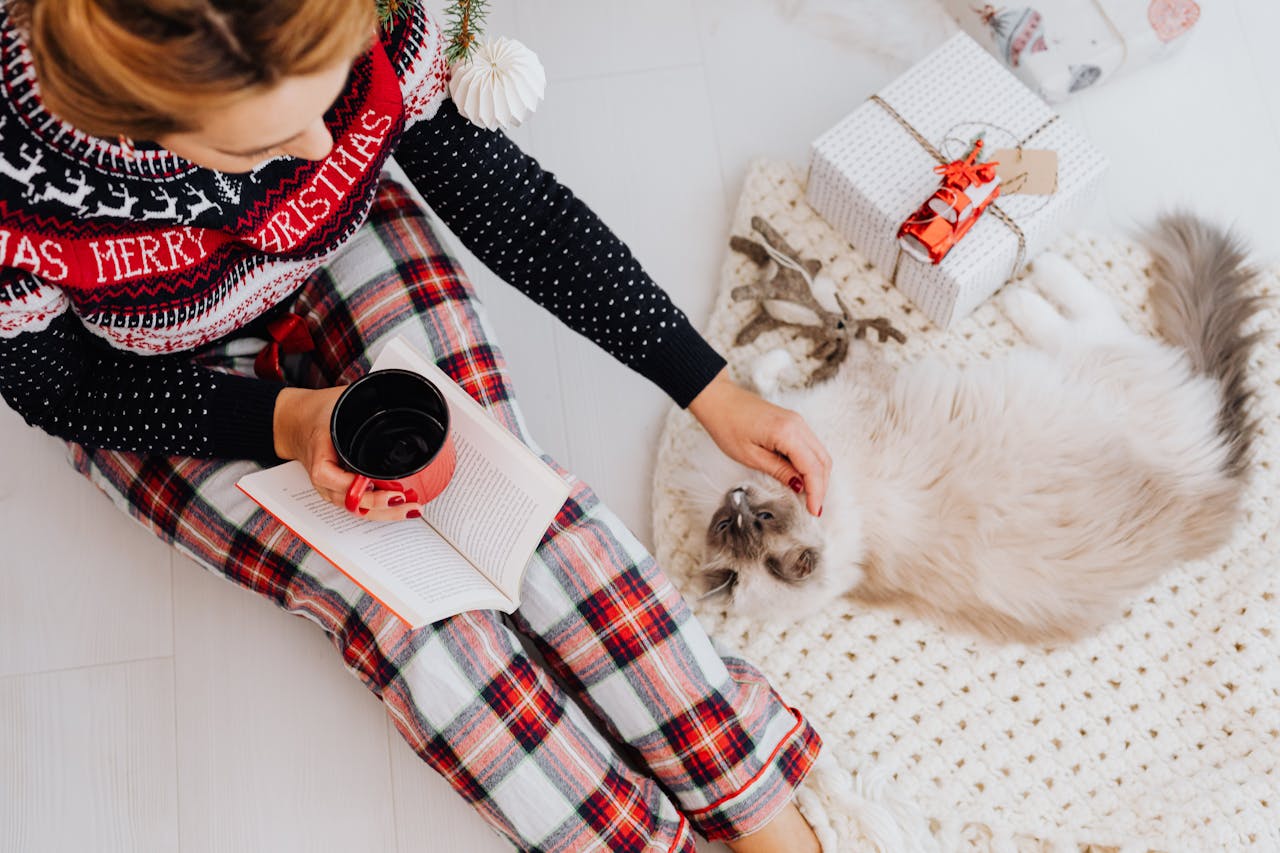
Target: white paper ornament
500,85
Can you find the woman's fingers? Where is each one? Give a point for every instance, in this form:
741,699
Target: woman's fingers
766,437
331,481
806,455
813,475
385,505
776,466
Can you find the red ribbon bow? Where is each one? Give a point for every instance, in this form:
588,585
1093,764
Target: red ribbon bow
965,173
288,335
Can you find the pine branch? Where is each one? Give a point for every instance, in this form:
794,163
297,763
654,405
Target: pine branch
466,25
389,10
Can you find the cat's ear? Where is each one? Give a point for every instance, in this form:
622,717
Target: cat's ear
717,581
796,570
805,563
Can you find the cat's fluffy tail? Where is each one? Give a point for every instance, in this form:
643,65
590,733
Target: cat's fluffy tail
1203,298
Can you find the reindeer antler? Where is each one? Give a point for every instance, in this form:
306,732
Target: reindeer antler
881,326
751,249
780,244
786,299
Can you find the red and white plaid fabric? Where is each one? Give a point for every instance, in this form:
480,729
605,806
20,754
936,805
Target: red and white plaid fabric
721,753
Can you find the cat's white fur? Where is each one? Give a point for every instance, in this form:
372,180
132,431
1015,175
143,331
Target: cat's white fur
1028,496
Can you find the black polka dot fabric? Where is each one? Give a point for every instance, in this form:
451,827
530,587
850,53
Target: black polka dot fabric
516,218
73,386
538,236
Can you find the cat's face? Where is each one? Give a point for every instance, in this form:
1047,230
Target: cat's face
764,551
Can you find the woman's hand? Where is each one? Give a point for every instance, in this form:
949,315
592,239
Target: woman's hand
768,438
302,433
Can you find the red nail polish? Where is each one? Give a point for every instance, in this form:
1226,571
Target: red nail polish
819,512
413,513
395,500
363,511
796,484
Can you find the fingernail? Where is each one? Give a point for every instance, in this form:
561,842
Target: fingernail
413,513
796,484
364,511
395,500
819,512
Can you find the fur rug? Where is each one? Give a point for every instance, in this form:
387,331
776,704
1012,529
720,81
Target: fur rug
1160,733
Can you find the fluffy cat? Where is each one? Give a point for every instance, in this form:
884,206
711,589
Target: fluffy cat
1028,497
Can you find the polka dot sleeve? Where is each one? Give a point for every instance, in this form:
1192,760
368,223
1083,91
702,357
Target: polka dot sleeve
74,386
539,237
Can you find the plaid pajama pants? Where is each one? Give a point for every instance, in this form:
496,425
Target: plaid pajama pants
721,753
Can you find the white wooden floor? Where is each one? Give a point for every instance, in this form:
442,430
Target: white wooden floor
145,706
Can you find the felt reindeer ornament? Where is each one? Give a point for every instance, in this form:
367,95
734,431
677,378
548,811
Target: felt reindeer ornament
791,295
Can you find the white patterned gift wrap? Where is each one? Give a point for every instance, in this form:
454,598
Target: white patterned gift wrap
868,173
1060,47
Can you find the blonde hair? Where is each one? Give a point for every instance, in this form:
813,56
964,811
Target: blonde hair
140,68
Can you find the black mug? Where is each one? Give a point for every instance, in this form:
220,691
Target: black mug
391,428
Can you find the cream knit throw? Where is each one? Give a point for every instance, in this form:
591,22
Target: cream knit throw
1161,733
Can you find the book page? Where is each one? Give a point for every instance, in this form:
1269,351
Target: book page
502,497
406,565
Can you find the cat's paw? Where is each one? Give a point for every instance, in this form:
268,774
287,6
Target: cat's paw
1037,320
1071,290
773,371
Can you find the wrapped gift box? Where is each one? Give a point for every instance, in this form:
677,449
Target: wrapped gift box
874,168
1059,47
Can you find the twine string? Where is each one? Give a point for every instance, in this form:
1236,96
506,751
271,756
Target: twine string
783,261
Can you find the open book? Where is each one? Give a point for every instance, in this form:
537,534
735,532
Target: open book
471,546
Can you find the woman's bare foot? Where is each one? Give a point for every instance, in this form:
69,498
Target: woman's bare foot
786,833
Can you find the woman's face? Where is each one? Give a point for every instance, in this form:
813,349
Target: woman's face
287,119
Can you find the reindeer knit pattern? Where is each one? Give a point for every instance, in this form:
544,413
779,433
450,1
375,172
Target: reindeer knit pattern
117,261
1160,733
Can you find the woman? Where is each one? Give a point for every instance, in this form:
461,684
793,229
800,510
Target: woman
198,249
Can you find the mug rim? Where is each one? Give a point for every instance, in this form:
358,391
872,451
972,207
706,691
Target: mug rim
435,454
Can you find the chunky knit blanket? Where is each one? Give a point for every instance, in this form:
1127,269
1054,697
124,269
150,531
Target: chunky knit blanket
1160,733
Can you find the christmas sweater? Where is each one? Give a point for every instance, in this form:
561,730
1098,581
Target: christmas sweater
116,261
